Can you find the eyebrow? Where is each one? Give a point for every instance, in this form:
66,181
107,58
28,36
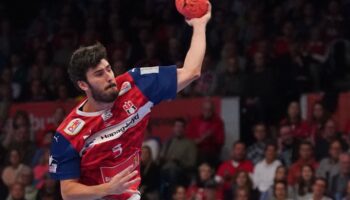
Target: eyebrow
97,71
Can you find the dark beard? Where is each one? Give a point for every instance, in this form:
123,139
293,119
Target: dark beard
105,97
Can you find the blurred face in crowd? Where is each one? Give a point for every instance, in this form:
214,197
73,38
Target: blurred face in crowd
281,173
270,153
260,132
286,135
344,163
15,158
307,173
59,115
208,109
238,152
26,177
179,128
180,193
47,139
242,179
232,65
335,150
259,60
21,134
305,152
205,172
318,111
100,83
329,129
145,154
319,188
280,192
241,194
17,192
293,110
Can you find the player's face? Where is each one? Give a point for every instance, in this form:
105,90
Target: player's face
101,83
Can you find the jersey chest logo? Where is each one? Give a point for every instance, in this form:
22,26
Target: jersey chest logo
129,107
74,126
107,115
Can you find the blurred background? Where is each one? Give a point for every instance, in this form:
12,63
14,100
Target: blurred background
268,119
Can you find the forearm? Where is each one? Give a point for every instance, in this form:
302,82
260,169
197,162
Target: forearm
77,191
195,55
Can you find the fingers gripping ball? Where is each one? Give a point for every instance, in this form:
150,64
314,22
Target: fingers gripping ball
192,8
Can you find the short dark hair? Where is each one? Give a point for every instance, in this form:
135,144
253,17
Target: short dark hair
271,144
83,59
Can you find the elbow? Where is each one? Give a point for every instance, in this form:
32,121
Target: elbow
196,74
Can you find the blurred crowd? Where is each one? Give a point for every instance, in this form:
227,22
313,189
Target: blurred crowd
267,52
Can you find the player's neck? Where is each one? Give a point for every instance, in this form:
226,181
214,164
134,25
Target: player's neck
94,106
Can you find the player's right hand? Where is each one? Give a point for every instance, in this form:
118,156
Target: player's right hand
202,20
122,182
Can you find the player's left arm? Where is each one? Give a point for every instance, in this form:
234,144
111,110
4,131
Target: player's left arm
191,69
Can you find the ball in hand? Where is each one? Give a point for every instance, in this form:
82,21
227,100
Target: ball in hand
192,8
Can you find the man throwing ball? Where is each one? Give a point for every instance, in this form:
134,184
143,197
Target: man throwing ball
96,150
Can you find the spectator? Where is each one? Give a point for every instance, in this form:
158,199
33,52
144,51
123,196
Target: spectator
300,128
207,131
264,171
41,169
49,189
150,175
177,162
153,142
242,180
260,89
11,173
319,189
17,192
304,186
204,181
305,158
238,162
231,81
287,145
329,167
242,194
328,134
280,175
339,181
26,179
280,191
318,119
179,193
256,150
22,142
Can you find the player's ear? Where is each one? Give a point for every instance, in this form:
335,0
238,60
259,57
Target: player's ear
83,85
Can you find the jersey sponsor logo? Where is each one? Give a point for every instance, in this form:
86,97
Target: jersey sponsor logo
116,131
52,165
74,126
129,107
107,115
149,70
126,86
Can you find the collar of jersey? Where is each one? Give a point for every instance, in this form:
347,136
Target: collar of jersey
88,114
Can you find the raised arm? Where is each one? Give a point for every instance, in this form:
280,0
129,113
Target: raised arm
191,69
